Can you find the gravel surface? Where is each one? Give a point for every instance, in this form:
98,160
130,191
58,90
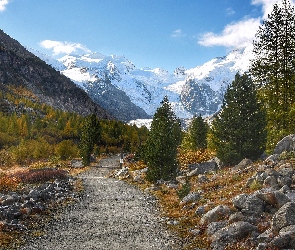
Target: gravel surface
111,215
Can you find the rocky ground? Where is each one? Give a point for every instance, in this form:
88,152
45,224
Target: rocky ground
110,214
256,207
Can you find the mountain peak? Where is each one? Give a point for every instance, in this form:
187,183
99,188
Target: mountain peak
198,90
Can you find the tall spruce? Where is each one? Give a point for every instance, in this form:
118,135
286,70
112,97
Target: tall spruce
160,150
90,135
196,136
273,69
238,131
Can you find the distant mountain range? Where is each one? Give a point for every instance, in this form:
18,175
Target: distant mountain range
113,87
19,68
129,93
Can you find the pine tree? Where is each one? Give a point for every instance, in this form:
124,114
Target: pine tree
160,150
238,131
196,137
273,69
90,135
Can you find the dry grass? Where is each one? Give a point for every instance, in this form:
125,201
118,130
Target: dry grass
190,157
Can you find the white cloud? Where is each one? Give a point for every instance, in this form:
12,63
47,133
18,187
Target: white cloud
178,33
3,4
240,34
236,35
230,11
64,47
267,5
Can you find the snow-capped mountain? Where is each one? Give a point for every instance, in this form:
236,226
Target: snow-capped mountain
131,93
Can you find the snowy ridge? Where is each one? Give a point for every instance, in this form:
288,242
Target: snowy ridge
198,90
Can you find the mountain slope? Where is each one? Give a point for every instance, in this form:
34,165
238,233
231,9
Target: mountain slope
20,67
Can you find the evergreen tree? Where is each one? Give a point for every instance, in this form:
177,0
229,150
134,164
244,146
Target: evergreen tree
238,131
90,135
273,69
160,150
196,137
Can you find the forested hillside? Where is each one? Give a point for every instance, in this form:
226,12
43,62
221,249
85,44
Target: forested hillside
31,130
20,68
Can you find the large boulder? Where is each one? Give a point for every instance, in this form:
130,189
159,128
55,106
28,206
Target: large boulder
289,231
246,202
216,214
202,168
284,217
234,232
191,197
286,144
274,198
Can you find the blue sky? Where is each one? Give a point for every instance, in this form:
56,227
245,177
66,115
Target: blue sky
150,33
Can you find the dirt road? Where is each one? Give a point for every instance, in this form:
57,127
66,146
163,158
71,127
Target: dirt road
110,215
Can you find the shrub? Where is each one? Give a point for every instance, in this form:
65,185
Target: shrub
66,149
40,175
9,183
184,190
189,157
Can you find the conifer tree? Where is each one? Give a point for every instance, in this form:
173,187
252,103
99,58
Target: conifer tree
238,131
90,135
273,69
160,150
196,137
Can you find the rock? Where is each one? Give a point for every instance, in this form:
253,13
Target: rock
280,241
8,200
249,203
271,181
172,222
266,236
122,172
286,144
34,194
291,195
284,217
276,198
286,171
290,231
236,217
285,189
243,164
202,168
284,181
200,210
172,185
191,197
202,178
138,179
77,164
216,214
181,179
195,232
272,159
213,227
234,232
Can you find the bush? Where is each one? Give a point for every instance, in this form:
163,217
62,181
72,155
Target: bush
66,149
9,183
190,157
184,190
30,150
40,175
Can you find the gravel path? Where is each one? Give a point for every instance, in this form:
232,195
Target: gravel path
111,215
